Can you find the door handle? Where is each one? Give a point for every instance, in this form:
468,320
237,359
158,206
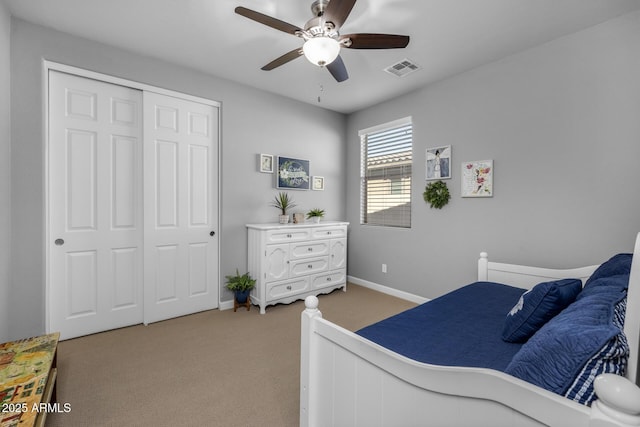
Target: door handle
59,242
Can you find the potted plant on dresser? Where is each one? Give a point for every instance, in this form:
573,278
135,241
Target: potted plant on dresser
314,215
283,203
241,286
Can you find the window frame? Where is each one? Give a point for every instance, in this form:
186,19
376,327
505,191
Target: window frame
403,218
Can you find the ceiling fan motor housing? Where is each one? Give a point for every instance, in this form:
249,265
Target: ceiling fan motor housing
319,27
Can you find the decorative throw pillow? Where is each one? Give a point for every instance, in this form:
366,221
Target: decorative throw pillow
537,306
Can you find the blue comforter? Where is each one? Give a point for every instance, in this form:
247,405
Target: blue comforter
461,328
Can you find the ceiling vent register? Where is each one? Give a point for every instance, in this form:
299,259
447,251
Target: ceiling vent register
403,68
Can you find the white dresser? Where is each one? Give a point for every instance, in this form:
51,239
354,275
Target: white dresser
293,261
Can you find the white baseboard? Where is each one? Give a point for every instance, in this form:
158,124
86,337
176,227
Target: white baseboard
387,290
228,305
225,305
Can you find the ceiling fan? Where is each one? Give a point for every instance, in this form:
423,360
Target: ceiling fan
322,41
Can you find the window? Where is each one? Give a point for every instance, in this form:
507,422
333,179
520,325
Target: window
385,174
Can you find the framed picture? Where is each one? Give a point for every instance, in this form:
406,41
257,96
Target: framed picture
293,174
266,163
477,178
438,163
317,183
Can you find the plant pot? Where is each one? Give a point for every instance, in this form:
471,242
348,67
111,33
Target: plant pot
284,219
315,219
241,296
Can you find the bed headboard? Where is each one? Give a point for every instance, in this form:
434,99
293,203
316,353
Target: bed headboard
527,277
524,276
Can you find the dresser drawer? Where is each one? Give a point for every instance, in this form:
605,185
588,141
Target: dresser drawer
284,289
308,266
309,249
329,279
288,235
330,232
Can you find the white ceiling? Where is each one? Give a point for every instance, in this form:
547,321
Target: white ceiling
447,37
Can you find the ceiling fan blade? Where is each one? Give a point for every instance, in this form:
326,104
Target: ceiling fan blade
338,70
289,56
267,20
337,11
376,41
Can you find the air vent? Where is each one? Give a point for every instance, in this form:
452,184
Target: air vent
402,68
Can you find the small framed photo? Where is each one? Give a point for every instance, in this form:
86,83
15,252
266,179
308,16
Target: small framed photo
477,178
317,183
293,174
266,163
438,163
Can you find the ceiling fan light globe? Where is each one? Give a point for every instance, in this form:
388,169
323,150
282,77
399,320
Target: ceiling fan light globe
321,51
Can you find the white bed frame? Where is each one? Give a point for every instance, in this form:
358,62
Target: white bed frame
346,380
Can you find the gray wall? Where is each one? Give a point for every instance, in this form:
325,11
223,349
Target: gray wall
562,124
252,122
5,171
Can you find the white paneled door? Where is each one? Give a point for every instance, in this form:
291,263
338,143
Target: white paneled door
95,205
132,206
181,214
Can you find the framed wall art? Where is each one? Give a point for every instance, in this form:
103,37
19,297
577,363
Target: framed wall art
477,178
317,183
266,163
293,174
438,163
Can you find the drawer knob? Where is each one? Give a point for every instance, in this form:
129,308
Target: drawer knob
328,279
309,266
310,249
289,287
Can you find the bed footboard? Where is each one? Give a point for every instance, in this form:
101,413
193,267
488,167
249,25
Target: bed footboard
346,380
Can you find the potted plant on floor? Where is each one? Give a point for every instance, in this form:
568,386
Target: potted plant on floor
283,202
241,286
315,215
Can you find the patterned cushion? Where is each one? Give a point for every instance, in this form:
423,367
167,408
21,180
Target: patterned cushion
537,306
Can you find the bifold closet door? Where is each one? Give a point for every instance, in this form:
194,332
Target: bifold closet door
181,207
95,278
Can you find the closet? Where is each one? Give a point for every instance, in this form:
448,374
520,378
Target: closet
132,204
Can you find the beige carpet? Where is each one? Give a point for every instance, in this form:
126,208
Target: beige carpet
215,368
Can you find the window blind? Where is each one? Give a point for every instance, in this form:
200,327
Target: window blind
385,188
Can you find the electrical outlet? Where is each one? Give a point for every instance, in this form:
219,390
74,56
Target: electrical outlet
384,268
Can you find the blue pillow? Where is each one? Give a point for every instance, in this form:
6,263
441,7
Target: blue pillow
537,306
619,264
583,341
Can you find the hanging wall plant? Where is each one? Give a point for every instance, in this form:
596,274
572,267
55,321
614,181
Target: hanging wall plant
437,194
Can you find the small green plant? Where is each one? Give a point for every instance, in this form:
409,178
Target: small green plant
315,213
437,194
283,202
240,282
